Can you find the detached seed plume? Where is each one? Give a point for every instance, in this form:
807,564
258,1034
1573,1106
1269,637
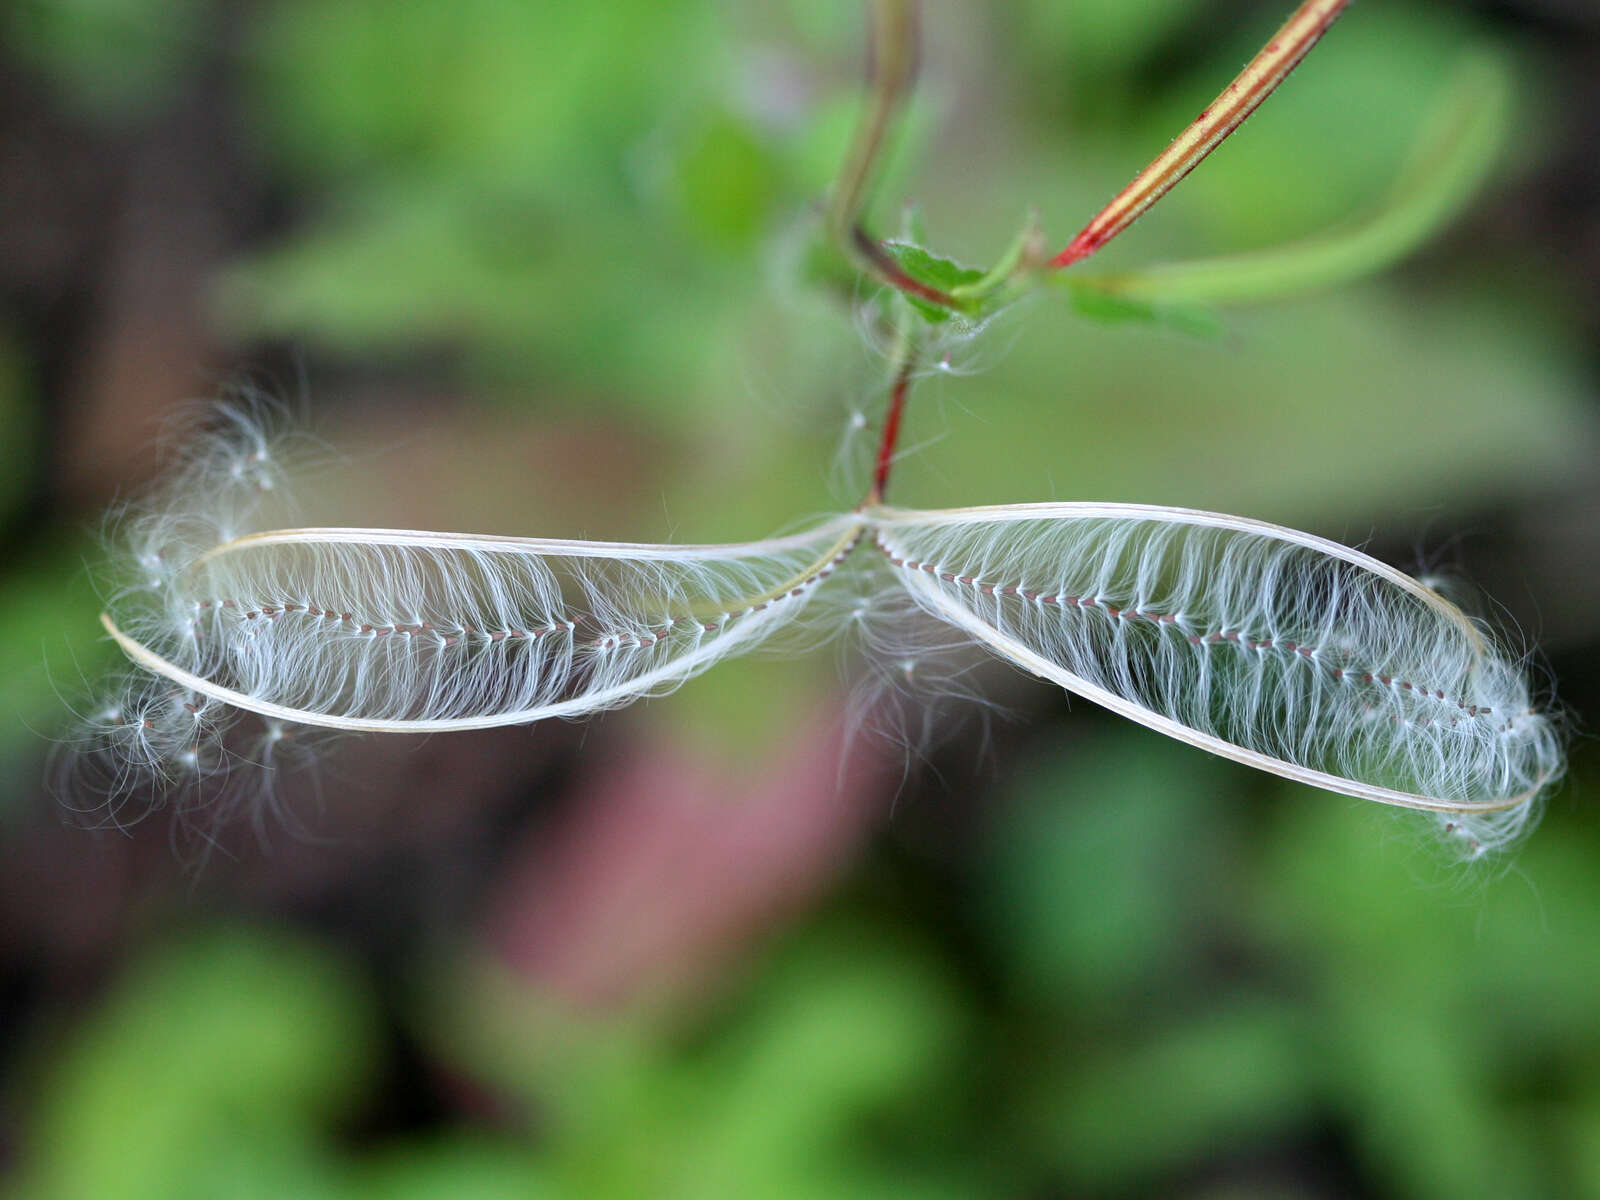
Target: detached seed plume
1274,648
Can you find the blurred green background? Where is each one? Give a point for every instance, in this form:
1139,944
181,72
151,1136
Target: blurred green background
541,269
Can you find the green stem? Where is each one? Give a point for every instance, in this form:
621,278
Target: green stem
891,71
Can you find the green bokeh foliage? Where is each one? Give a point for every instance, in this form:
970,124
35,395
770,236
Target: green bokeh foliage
1170,964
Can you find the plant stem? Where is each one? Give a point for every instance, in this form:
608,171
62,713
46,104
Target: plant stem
891,71
898,391
1259,79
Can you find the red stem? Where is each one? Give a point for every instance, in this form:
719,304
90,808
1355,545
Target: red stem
891,431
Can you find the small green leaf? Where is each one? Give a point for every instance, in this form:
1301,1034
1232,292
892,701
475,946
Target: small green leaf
941,274
928,268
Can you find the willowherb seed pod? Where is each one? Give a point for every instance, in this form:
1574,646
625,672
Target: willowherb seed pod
398,630
393,630
1275,648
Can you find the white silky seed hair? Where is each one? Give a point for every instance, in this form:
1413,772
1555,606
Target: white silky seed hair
1269,646
1275,648
391,630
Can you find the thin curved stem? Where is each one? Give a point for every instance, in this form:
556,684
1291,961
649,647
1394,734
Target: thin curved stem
891,72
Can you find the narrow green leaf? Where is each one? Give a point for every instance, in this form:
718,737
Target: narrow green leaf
1116,308
1448,165
1027,244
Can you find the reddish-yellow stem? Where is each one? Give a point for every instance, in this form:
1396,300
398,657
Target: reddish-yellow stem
891,430
1226,113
